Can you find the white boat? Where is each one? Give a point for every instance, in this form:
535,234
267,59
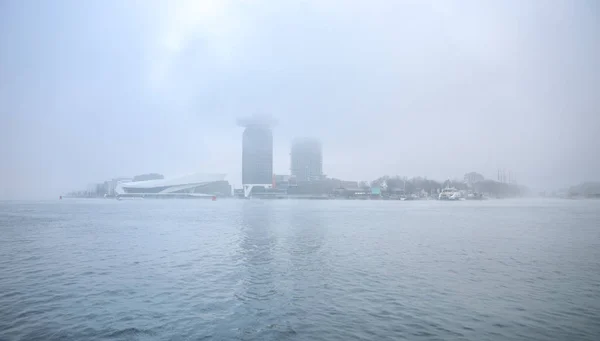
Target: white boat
449,193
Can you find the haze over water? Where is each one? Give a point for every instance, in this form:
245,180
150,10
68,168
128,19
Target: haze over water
299,270
90,91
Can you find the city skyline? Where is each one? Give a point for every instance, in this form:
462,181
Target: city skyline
412,88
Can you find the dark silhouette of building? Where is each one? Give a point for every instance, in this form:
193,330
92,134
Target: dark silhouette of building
257,151
307,159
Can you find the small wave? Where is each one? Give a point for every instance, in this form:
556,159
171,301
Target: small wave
11,294
29,313
129,332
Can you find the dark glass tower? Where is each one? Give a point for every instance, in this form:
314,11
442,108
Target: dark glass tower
307,159
257,151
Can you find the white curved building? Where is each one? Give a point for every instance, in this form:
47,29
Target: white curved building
197,185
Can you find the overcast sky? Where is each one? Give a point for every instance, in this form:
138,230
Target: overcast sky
91,90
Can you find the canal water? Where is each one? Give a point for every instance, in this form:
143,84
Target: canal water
300,270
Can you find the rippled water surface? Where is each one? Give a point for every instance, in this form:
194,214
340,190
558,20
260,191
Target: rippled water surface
299,270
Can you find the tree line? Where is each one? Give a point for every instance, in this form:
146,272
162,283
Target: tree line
472,181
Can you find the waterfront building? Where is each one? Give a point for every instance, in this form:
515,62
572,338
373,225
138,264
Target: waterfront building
257,153
195,185
306,159
112,184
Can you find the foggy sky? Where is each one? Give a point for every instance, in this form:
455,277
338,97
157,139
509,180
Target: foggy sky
91,90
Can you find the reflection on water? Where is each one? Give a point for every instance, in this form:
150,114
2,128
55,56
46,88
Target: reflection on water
307,258
282,262
257,244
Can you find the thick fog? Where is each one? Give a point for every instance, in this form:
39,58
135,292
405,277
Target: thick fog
91,90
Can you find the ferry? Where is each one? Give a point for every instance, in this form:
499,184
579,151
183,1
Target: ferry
449,193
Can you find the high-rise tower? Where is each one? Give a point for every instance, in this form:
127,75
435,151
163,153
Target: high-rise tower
257,152
306,159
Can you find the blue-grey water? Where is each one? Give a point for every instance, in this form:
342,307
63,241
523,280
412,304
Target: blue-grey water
299,270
